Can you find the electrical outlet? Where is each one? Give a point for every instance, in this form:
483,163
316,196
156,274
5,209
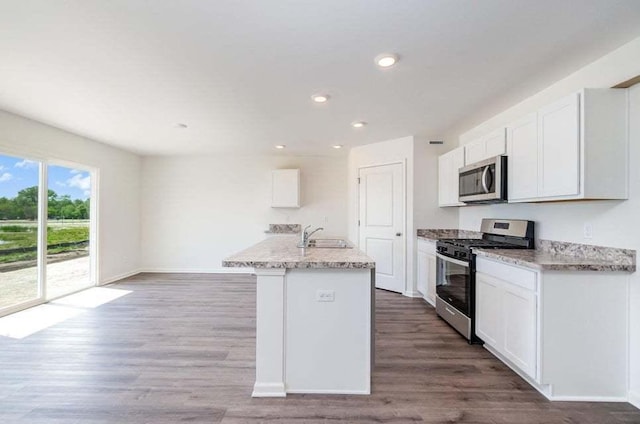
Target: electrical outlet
588,231
325,295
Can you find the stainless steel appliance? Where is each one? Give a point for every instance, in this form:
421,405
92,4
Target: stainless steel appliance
484,182
456,267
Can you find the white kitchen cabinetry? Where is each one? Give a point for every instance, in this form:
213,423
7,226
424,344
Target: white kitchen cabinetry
426,270
522,162
448,166
519,314
492,144
563,331
559,148
488,309
285,188
506,320
574,148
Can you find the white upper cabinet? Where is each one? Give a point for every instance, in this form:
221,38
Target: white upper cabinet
574,148
285,188
522,162
559,148
448,166
492,144
474,151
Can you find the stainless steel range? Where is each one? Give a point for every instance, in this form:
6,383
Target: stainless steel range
456,268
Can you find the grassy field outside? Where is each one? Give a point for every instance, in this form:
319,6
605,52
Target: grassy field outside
18,239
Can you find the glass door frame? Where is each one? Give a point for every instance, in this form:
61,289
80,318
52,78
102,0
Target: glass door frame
93,224
43,191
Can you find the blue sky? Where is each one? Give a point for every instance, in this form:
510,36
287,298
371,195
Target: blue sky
17,174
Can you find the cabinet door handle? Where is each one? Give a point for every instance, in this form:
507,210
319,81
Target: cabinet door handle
398,234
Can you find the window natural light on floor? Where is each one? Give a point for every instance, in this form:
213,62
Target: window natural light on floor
25,323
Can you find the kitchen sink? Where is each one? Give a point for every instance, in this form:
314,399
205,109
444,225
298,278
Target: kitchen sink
329,244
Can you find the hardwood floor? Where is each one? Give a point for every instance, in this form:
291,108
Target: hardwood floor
180,348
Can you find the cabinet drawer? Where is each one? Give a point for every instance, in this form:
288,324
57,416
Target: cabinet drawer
524,278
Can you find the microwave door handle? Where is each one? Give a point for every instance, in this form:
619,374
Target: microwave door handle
485,171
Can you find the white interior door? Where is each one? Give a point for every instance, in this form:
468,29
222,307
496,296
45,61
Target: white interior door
382,223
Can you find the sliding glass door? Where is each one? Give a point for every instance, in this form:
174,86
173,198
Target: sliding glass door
20,233
46,230
68,230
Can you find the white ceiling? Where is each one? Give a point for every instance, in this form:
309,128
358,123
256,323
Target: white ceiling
240,73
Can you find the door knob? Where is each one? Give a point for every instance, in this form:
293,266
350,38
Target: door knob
398,234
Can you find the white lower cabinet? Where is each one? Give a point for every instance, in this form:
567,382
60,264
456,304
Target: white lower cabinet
506,320
426,270
488,309
519,313
564,331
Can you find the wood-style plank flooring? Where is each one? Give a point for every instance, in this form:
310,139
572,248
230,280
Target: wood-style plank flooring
180,348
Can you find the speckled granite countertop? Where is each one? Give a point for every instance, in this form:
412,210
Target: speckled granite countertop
281,252
546,261
437,234
549,254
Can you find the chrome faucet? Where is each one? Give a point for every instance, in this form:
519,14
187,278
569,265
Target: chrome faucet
305,235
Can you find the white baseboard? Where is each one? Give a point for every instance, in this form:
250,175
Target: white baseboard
330,392
588,399
268,390
634,399
113,279
199,270
412,294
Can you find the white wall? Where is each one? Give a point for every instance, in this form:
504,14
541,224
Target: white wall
197,210
614,223
119,191
421,176
427,213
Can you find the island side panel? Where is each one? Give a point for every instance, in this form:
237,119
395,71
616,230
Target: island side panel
328,342
270,309
373,318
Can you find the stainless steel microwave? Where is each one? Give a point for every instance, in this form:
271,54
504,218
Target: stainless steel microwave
484,182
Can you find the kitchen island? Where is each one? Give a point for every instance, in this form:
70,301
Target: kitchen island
314,317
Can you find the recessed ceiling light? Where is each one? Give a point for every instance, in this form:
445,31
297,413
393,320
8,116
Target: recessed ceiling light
181,125
358,124
280,146
337,146
320,98
386,60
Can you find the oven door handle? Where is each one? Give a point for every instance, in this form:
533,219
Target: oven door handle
455,261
